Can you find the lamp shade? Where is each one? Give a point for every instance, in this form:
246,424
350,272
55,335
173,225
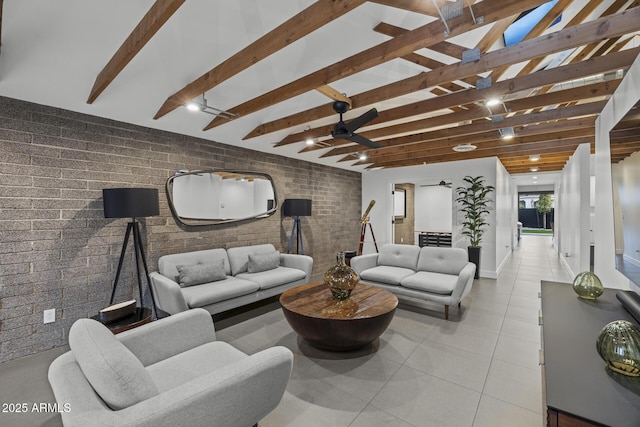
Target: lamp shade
130,202
297,207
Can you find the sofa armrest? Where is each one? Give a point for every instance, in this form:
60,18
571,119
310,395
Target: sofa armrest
239,395
465,281
168,294
172,335
364,262
301,262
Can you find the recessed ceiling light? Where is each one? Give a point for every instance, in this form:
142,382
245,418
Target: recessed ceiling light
464,148
492,102
534,157
535,177
507,133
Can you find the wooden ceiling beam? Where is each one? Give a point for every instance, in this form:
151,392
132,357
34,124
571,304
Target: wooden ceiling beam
444,148
315,16
480,138
444,47
620,60
424,36
394,144
536,31
152,21
565,39
331,93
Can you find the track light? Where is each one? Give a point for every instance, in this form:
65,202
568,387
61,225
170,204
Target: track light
534,157
363,156
492,102
507,133
534,169
202,106
309,141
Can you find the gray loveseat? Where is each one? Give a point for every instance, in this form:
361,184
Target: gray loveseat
442,275
171,372
221,279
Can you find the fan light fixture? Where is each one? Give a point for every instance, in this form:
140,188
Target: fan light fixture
462,148
534,157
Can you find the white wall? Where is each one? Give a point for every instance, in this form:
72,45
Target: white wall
377,185
506,208
623,99
434,208
573,211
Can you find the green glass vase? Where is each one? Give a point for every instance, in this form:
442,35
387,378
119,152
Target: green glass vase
341,279
587,285
619,345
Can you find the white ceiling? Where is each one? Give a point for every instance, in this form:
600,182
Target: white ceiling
52,52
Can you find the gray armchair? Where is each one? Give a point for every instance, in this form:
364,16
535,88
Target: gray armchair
167,373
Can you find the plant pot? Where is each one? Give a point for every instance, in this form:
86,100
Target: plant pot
474,257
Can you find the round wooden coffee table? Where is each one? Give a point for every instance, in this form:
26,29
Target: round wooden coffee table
336,325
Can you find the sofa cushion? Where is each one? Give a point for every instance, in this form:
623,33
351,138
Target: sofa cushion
195,363
276,277
239,257
442,260
167,264
427,281
386,274
405,256
210,293
113,371
190,275
263,262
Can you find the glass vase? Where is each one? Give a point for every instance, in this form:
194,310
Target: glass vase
341,279
619,345
587,285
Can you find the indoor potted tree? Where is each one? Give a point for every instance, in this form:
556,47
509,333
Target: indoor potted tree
473,200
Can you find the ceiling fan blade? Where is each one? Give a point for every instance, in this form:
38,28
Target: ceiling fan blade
362,141
358,122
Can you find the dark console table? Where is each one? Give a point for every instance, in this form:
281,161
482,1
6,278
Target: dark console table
580,389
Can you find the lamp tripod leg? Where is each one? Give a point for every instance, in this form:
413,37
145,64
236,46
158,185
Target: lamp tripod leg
299,228
146,269
293,229
125,242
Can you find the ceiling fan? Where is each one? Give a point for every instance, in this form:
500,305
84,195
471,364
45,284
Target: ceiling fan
343,130
442,183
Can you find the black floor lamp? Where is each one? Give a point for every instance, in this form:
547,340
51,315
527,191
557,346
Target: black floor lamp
296,208
132,203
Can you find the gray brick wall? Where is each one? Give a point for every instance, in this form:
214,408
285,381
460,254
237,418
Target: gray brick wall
58,251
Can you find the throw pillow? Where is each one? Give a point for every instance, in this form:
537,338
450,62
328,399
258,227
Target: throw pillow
263,262
197,274
113,371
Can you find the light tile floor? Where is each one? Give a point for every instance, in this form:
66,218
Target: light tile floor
480,368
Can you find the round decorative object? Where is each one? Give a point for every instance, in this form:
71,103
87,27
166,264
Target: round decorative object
341,279
619,345
587,285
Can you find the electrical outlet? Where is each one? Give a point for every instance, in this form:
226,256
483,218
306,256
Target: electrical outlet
50,315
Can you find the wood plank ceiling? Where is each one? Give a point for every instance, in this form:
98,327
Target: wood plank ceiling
550,86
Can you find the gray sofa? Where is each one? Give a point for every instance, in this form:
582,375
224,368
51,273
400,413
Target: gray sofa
171,372
442,275
243,275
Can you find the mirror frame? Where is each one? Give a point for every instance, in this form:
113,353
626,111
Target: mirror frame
191,222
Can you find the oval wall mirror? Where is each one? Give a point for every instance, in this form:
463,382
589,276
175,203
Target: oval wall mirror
210,197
